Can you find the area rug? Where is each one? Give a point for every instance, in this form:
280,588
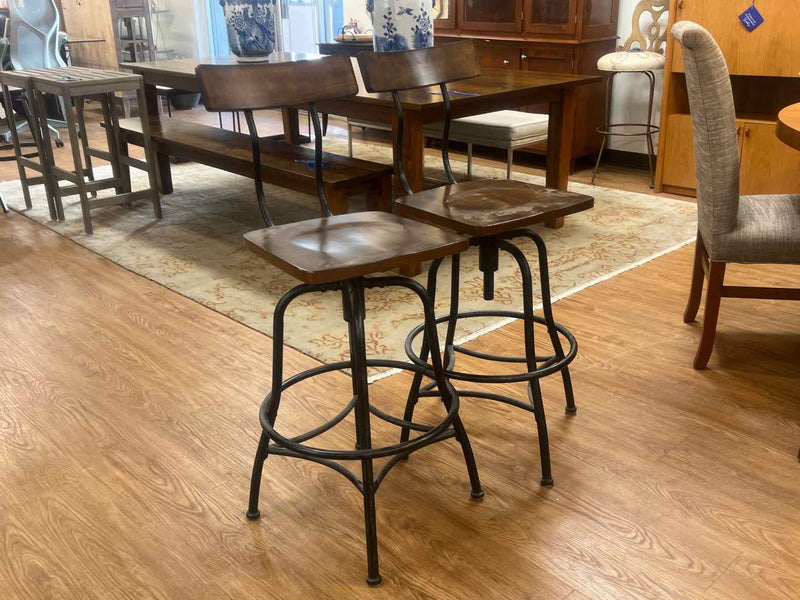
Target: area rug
197,251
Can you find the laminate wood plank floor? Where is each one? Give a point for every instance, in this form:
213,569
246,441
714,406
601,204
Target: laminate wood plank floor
128,423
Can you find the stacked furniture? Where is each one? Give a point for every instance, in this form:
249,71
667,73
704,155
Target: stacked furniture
763,66
559,36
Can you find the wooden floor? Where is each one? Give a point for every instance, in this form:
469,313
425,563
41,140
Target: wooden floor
128,422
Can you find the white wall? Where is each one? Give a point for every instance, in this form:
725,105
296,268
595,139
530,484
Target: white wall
631,91
185,28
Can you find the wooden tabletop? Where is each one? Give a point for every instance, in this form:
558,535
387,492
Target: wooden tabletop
179,73
789,126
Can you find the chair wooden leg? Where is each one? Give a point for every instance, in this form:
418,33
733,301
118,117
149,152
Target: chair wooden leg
469,161
716,278
698,277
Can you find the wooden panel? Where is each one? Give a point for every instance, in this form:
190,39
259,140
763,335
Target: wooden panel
678,148
497,55
772,49
485,15
552,58
551,16
90,19
768,165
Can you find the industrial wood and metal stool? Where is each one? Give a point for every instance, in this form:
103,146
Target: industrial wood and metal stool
336,254
75,85
491,213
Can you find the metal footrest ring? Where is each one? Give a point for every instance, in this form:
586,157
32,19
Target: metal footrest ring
550,364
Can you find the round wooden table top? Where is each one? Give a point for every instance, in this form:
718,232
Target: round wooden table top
789,126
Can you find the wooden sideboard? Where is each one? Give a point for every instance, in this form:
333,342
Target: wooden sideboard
764,67
562,36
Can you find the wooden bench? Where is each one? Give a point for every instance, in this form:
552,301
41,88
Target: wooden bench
230,151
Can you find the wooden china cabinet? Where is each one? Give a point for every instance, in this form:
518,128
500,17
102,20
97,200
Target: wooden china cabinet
563,36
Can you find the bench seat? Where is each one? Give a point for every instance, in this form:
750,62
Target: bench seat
231,151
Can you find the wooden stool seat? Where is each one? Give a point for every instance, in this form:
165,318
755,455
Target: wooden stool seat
347,246
491,207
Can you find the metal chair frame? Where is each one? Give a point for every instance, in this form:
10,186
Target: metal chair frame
353,302
537,367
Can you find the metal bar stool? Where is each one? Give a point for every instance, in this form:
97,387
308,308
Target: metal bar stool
335,254
491,213
646,58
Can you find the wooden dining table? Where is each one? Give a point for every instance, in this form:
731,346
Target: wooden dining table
788,129
495,89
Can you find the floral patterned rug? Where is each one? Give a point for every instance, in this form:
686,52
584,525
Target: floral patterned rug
197,251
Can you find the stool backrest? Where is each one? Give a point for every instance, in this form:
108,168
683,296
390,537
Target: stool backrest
654,16
403,71
249,87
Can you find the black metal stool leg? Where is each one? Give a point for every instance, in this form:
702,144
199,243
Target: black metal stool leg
274,398
353,301
547,307
416,384
534,388
255,480
446,389
3,204
650,147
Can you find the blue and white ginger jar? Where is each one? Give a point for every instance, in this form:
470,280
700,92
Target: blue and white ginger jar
401,24
251,28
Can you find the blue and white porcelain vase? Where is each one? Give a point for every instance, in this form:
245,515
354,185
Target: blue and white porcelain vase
251,28
401,24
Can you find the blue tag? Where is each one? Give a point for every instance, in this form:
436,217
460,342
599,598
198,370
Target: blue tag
751,18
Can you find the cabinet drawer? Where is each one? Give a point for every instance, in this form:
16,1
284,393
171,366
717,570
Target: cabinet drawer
552,59
499,56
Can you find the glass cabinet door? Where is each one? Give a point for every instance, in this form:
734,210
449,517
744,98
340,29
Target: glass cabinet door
491,15
444,14
552,16
600,18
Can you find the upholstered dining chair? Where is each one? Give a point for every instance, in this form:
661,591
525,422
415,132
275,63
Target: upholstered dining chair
492,213
336,254
732,228
643,53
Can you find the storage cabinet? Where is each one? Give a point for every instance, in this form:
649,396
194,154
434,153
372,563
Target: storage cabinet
764,66
491,15
555,36
767,167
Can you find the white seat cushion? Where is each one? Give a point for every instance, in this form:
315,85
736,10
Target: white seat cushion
504,128
632,61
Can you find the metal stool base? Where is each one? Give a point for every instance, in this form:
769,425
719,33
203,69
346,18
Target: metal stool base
650,129
272,442
536,367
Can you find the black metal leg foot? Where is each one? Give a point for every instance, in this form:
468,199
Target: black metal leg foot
255,481
374,581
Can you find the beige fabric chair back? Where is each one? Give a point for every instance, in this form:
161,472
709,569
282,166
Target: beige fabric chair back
716,146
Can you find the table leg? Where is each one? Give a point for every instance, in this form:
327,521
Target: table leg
291,126
162,160
413,153
559,144
79,105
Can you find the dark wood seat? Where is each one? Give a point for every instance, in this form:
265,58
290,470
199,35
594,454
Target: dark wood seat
347,246
231,151
484,208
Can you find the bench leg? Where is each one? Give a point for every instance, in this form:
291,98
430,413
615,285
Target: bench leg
164,173
380,196
337,200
